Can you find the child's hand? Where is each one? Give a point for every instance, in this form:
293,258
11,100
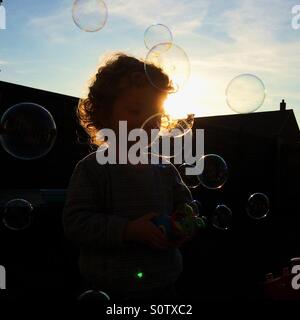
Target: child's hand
144,231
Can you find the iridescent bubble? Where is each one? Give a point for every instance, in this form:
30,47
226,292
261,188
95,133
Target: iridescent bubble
173,61
197,207
245,93
165,135
94,295
89,15
222,217
191,181
28,131
200,218
258,206
156,34
175,128
17,214
215,171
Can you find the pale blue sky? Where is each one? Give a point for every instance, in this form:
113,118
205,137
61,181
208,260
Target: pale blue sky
43,48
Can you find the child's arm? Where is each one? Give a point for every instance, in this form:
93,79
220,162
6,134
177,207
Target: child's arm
144,231
84,219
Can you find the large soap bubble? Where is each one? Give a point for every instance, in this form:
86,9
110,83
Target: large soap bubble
28,131
222,217
89,15
156,34
258,206
17,214
245,93
215,171
165,135
173,61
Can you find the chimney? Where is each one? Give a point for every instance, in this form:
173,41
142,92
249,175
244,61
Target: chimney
282,105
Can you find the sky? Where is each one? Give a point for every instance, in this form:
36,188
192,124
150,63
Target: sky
43,48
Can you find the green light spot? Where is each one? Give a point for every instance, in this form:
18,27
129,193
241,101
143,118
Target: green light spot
140,275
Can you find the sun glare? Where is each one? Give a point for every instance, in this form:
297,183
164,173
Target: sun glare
188,100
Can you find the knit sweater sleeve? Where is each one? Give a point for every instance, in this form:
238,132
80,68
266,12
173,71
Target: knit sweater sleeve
86,222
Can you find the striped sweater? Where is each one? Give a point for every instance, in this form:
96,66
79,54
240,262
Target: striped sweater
101,200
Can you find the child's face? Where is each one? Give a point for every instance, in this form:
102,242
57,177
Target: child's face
136,106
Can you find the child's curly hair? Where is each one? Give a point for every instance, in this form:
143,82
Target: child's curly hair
117,74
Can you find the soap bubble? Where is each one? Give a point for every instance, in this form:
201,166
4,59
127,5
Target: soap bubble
258,206
245,93
166,126
222,217
89,15
198,210
17,214
165,135
28,131
215,171
197,207
191,181
94,296
175,128
156,34
173,61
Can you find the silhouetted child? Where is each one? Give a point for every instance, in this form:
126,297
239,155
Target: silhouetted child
109,207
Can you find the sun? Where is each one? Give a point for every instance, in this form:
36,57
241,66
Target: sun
188,100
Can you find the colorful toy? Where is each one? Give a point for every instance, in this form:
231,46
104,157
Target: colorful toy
181,224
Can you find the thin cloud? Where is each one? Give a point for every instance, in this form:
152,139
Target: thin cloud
255,42
184,16
55,27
